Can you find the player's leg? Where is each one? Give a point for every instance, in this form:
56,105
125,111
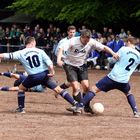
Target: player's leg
10,75
63,93
105,84
6,88
77,94
132,103
21,99
85,86
21,94
83,79
130,98
7,74
86,100
65,85
72,78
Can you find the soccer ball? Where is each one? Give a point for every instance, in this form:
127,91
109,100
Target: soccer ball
98,108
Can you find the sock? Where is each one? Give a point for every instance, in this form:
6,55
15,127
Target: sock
87,98
67,97
78,97
132,103
64,86
88,104
21,98
7,74
4,88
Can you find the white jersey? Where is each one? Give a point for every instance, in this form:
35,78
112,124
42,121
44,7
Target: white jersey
34,60
62,45
77,52
125,66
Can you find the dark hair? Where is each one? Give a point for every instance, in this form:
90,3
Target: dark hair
29,39
71,27
86,33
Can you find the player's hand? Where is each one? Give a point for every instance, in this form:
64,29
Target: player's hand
116,56
52,73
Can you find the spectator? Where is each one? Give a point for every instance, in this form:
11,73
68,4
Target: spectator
105,32
94,34
122,33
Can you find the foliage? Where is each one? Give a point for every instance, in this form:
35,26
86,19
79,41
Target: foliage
89,12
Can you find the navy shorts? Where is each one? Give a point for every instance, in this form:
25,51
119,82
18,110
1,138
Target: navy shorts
20,80
39,79
76,73
107,84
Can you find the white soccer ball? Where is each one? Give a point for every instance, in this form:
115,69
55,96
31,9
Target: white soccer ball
98,108
97,67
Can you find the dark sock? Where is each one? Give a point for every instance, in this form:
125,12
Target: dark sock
67,97
7,74
88,104
5,88
78,97
21,99
64,86
132,103
87,98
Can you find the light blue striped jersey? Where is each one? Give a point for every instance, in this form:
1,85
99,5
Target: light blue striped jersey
34,60
125,66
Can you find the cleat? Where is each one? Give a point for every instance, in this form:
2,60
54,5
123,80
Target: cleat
70,109
20,110
136,114
76,110
88,109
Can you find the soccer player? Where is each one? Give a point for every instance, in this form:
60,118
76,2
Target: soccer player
62,50
74,62
39,68
118,78
19,79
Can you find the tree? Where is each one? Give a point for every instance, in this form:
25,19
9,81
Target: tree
91,12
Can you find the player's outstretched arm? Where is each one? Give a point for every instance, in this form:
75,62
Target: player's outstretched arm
59,57
115,55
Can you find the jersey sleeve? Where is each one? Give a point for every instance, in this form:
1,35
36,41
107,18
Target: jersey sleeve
12,56
97,45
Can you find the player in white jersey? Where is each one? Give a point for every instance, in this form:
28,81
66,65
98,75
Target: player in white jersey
119,77
62,50
39,68
74,62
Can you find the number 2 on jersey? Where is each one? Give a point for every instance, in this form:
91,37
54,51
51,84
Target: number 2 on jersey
131,60
33,61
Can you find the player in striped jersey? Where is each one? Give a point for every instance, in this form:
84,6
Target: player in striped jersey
39,68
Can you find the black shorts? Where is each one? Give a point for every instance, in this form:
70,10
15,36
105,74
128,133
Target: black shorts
76,73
